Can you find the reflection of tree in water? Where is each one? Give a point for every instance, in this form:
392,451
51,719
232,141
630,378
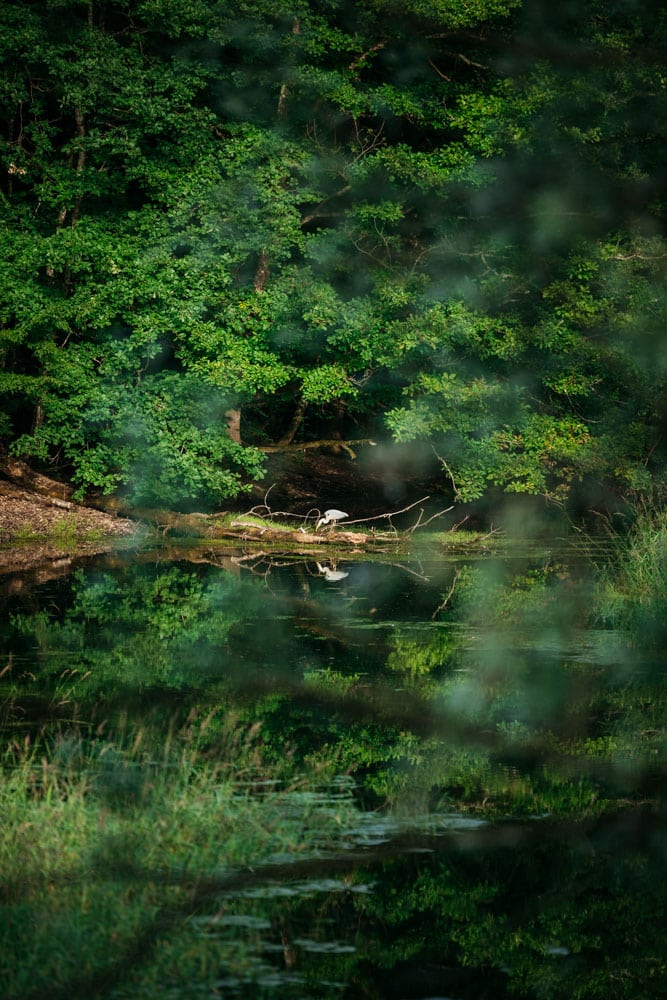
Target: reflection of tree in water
159,684
503,675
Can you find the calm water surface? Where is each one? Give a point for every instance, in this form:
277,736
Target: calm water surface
490,757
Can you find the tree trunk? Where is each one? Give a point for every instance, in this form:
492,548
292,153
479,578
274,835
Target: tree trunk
233,419
297,418
233,415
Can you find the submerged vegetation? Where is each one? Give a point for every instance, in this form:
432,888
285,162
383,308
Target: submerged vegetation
107,849
186,750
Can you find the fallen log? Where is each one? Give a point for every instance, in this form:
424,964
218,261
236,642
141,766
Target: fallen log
198,525
267,532
262,527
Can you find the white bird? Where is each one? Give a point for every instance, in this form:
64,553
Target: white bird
330,573
330,517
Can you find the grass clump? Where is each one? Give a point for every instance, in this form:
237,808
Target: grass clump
633,594
108,850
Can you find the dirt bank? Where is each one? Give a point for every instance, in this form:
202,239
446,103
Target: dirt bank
35,529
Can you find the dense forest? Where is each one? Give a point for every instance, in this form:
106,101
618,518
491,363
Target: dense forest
429,765
235,226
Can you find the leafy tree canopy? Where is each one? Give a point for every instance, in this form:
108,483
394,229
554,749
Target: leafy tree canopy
445,219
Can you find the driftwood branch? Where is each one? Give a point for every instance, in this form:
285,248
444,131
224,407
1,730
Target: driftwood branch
265,514
388,516
265,532
422,524
418,524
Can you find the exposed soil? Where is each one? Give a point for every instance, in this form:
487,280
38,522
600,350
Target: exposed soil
36,529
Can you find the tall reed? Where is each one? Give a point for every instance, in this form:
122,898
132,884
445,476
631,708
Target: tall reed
633,592
108,840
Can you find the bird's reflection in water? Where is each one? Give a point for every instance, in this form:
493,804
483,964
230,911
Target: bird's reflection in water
330,573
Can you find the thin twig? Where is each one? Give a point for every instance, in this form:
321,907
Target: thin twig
439,72
422,524
448,471
412,572
266,495
380,517
450,592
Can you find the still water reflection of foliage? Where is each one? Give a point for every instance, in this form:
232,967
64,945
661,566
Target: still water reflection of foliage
169,726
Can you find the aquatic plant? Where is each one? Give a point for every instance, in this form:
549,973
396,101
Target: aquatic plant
110,842
633,592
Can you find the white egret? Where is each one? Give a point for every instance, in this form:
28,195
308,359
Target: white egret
331,517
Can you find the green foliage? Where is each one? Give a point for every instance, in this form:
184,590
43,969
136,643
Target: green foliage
210,207
633,594
167,728
103,838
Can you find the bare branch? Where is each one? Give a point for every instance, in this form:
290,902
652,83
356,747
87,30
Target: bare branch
458,55
371,142
448,471
440,74
316,211
361,59
387,517
422,524
271,449
448,596
458,524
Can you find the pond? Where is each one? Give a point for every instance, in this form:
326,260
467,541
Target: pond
261,776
